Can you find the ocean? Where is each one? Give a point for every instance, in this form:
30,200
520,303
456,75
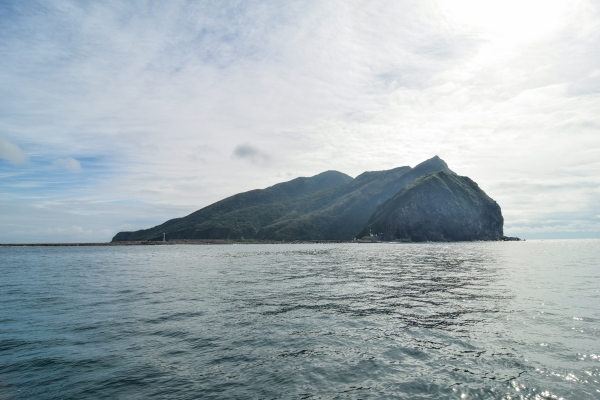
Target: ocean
479,320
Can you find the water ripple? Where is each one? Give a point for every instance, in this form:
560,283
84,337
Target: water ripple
462,320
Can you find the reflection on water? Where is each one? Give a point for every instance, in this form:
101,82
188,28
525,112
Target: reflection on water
461,320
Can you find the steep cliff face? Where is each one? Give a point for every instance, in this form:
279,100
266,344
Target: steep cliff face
440,206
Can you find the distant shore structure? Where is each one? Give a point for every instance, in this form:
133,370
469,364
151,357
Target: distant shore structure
164,237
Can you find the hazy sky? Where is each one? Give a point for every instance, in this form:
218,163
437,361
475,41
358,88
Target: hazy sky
120,115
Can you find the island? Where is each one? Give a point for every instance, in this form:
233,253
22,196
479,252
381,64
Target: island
426,203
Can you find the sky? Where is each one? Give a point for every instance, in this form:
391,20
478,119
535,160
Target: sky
120,115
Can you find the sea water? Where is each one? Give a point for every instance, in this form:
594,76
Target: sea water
449,320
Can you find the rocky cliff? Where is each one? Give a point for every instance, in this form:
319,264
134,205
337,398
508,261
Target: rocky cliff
440,206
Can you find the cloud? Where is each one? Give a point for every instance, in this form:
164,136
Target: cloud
74,229
151,98
69,164
246,151
82,220
11,152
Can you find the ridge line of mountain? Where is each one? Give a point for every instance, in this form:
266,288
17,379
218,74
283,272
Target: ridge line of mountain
334,206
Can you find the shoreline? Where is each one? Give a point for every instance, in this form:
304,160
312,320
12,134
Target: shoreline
223,241
175,242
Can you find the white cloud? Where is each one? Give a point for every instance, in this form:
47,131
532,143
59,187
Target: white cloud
72,230
11,152
157,95
70,164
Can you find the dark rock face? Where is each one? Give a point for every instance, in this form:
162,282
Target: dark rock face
438,207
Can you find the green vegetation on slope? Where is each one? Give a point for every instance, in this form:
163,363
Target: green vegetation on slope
340,213
186,227
327,206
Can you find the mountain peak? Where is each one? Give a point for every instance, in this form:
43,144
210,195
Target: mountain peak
438,207
434,164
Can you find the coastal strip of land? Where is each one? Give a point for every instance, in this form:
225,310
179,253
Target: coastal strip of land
181,241
213,242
